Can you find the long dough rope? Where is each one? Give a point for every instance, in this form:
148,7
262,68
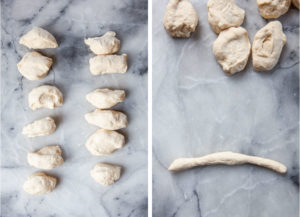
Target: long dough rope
227,158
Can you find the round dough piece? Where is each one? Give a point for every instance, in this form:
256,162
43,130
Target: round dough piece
45,96
296,3
39,183
42,127
107,119
106,174
105,98
38,38
105,64
34,66
267,46
106,44
104,142
223,14
269,9
180,19
232,49
46,158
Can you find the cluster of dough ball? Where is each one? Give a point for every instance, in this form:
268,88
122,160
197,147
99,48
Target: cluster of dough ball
106,61
46,158
232,48
106,140
35,66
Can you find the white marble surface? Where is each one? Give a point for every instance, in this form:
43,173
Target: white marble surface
197,110
77,194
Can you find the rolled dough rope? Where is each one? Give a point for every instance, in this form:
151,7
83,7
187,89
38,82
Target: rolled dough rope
227,158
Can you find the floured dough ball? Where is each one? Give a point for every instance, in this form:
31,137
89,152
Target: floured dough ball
108,64
34,66
105,98
46,158
267,46
106,174
104,142
39,183
223,14
42,127
45,96
180,19
38,38
296,3
107,119
269,9
232,49
106,44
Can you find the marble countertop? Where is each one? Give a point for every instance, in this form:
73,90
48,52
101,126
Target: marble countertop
77,194
198,109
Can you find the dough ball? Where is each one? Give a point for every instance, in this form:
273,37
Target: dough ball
34,66
269,9
106,44
39,183
45,96
105,98
106,174
223,14
108,64
42,127
104,142
107,119
180,19
267,46
232,49
38,38
46,158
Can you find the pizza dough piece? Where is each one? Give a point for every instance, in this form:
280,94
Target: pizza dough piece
39,183
105,98
106,174
38,38
108,64
107,119
106,44
232,49
45,96
223,14
42,127
104,142
269,9
267,46
34,66
46,158
296,3
227,158
180,19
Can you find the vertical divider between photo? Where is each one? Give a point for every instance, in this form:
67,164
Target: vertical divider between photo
150,108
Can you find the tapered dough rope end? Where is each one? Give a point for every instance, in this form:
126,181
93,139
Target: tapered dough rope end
282,169
178,164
